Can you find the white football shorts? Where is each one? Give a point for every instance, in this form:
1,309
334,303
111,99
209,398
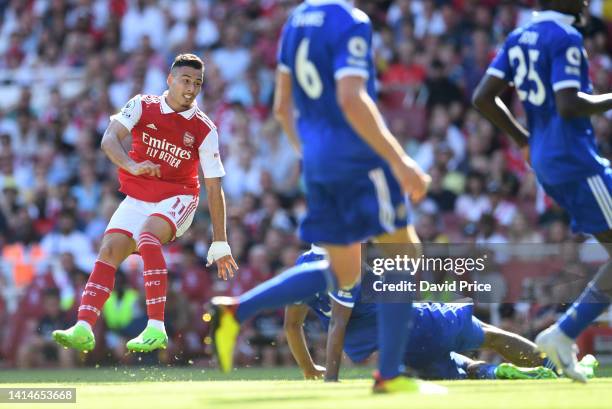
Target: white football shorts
132,213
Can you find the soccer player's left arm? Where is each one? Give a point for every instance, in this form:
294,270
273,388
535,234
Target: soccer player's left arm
487,100
340,317
219,251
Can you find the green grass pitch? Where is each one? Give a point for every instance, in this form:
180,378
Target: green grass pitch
134,388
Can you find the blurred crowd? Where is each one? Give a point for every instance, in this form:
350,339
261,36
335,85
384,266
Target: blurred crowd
67,65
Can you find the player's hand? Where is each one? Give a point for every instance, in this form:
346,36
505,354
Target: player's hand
316,372
146,168
226,267
220,253
411,178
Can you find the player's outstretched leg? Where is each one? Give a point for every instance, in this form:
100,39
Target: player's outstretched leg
295,284
557,342
506,370
97,290
155,281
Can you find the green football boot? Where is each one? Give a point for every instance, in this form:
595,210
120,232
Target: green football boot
399,384
510,371
149,340
78,337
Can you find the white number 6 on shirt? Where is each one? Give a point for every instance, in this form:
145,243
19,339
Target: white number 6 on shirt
306,72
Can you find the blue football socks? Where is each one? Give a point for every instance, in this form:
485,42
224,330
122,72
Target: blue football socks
591,303
394,323
486,371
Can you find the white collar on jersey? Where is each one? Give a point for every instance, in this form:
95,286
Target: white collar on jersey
318,250
165,108
551,15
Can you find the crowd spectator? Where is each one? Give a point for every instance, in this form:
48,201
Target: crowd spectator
38,348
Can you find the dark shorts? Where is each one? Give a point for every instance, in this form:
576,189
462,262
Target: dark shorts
351,211
587,201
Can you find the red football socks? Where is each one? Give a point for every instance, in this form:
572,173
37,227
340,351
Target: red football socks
97,290
155,275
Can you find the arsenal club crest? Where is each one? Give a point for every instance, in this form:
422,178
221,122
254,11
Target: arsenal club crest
188,139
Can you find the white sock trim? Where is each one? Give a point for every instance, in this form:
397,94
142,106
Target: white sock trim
84,324
157,324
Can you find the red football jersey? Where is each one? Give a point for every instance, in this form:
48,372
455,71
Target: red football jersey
177,141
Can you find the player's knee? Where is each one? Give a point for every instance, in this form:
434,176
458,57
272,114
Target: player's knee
160,228
111,252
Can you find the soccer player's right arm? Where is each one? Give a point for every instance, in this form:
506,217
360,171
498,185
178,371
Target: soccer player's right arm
352,57
340,317
119,128
294,331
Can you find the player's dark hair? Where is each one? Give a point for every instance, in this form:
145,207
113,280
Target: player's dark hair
187,60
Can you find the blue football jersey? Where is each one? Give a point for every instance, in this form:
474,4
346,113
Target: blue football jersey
322,41
540,58
438,329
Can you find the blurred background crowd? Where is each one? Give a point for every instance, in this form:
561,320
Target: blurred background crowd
67,65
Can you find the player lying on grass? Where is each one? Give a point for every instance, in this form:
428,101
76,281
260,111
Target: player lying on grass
439,334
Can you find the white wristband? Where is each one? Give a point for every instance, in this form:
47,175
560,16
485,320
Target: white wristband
217,250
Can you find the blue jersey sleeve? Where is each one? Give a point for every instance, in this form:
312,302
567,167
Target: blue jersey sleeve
566,62
500,66
282,55
353,49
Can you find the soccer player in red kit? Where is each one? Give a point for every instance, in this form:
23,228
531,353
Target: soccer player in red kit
171,137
